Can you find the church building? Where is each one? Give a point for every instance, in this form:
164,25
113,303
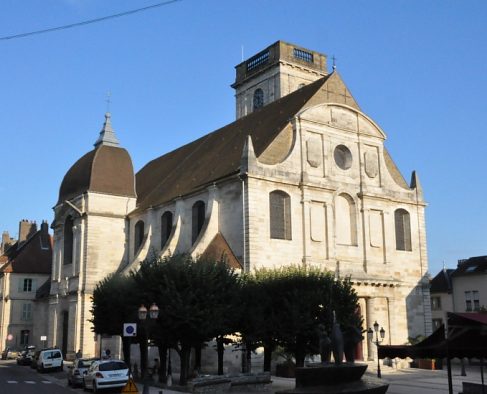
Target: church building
301,177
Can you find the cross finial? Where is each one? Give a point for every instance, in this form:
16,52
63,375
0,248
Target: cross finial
108,100
334,62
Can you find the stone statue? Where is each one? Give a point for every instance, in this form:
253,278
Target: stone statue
325,344
336,341
351,338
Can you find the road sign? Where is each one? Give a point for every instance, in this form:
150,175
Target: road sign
10,337
129,329
130,387
43,338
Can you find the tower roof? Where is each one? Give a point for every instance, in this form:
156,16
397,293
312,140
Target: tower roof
106,169
107,135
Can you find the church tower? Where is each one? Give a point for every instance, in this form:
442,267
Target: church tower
276,71
89,226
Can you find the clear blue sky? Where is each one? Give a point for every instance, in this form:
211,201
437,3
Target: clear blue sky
418,68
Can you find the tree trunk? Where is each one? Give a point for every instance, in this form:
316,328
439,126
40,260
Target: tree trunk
248,355
143,352
220,350
126,342
267,357
162,361
197,358
184,366
300,355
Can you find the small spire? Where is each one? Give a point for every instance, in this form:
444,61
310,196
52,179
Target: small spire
416,184
107,135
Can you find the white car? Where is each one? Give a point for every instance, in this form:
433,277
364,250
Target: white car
50,359
105,374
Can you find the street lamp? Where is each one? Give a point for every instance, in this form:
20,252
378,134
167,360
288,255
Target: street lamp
370,337
153,315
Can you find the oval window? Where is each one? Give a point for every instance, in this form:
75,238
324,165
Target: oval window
343,157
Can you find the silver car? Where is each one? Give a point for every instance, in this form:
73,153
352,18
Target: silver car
76,371
106,374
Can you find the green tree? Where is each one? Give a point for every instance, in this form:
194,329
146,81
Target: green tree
115,301
196,298
284,307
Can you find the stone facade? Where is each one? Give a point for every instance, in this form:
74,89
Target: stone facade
345,207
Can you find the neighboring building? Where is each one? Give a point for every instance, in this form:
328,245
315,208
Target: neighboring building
469,282
24,267
441,297
301,177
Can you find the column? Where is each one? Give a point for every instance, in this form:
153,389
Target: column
369,321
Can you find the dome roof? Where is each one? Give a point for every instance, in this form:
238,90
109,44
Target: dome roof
106,169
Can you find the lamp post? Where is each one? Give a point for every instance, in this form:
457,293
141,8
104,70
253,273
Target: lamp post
153,315
370,337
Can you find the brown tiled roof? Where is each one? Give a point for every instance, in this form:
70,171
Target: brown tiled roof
33,256
218,249
105,169
218,154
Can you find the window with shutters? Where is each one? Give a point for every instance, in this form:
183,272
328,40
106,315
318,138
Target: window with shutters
68,241
280,215
166,227
26,312
198,219
138,235
403,230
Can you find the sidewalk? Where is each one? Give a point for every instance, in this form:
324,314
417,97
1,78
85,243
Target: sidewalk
401,381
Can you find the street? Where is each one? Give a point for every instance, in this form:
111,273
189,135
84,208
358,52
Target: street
16,379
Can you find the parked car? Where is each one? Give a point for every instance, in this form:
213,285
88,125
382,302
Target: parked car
35,357
50,359
106,374
9,354
26,355
76,371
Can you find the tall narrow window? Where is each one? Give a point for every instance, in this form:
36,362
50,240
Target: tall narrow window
68,241
198,219
26,312
138,235
403,230
345,220
258,98
468,301
24,337
27,285
166,227
280,215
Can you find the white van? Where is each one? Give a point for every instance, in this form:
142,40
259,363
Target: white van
50,359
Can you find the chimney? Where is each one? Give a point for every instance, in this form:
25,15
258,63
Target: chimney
44,227
26,229
6,242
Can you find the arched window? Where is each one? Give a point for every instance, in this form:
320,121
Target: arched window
280,215
138,235
403,229
345,220
166,227
258,98
198,219
68,241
